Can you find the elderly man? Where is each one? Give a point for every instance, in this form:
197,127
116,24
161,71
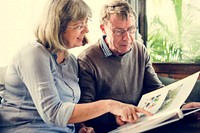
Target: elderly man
117,66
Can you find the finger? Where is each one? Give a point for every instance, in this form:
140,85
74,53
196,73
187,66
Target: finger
83,130
90,130
131,115
134,117
124,117
119,121
140,110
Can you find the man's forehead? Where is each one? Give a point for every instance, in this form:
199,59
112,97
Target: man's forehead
119,20
121,17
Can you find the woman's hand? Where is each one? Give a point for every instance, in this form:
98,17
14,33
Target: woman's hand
126,113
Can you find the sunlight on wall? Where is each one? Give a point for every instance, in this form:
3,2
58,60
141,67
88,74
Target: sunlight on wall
161,8
94,29
18,18
16,28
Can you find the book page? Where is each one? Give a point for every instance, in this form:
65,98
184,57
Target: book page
165,103
144,125
152,102
185,88
169,97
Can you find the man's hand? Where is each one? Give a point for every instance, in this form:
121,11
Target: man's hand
196,115
86,130
191,105
119,121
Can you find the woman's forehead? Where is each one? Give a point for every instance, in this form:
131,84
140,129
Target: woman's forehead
83,20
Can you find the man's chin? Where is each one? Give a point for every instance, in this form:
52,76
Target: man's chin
125,50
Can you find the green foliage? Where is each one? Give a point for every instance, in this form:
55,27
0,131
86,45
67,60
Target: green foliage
179,45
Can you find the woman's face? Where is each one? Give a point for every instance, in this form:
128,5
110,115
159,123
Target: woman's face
75,33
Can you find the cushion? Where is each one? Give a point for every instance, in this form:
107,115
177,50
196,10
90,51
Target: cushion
2,74
2,77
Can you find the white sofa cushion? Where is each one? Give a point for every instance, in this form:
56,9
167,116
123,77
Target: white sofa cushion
2,74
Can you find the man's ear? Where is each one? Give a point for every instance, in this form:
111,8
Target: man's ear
102,27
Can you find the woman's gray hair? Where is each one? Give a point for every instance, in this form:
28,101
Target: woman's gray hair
119,7
56,17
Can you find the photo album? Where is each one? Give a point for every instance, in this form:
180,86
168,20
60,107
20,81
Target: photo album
165,105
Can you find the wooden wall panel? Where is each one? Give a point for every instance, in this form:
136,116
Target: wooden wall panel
176,70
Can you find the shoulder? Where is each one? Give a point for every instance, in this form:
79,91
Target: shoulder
92,50
140,48
33,52
34,49
71,59
139,45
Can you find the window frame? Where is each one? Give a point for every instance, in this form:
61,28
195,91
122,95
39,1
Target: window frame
166,69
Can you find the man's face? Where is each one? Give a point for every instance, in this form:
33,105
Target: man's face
120,33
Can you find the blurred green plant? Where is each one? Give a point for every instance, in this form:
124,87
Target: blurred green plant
180,45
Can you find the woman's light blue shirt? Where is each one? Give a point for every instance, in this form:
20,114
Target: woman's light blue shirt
40,94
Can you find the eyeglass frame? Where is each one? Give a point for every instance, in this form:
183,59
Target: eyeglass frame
81,26
121,31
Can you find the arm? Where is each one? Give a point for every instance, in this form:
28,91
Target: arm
151,81
83,112
195,115
36,71
88,79
191,105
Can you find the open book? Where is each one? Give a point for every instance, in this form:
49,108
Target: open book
165,104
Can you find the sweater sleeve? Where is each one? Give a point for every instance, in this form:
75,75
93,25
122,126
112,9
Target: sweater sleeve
86,82
151,81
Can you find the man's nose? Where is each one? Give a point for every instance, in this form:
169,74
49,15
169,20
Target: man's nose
126,35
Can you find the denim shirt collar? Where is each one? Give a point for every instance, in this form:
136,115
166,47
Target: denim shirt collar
104,47
107,52
54,55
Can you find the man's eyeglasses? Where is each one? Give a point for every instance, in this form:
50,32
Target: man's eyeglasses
121,32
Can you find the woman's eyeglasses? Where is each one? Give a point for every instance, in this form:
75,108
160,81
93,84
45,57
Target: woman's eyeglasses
80,26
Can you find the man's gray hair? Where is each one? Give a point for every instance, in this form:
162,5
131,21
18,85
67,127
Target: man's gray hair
119,7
